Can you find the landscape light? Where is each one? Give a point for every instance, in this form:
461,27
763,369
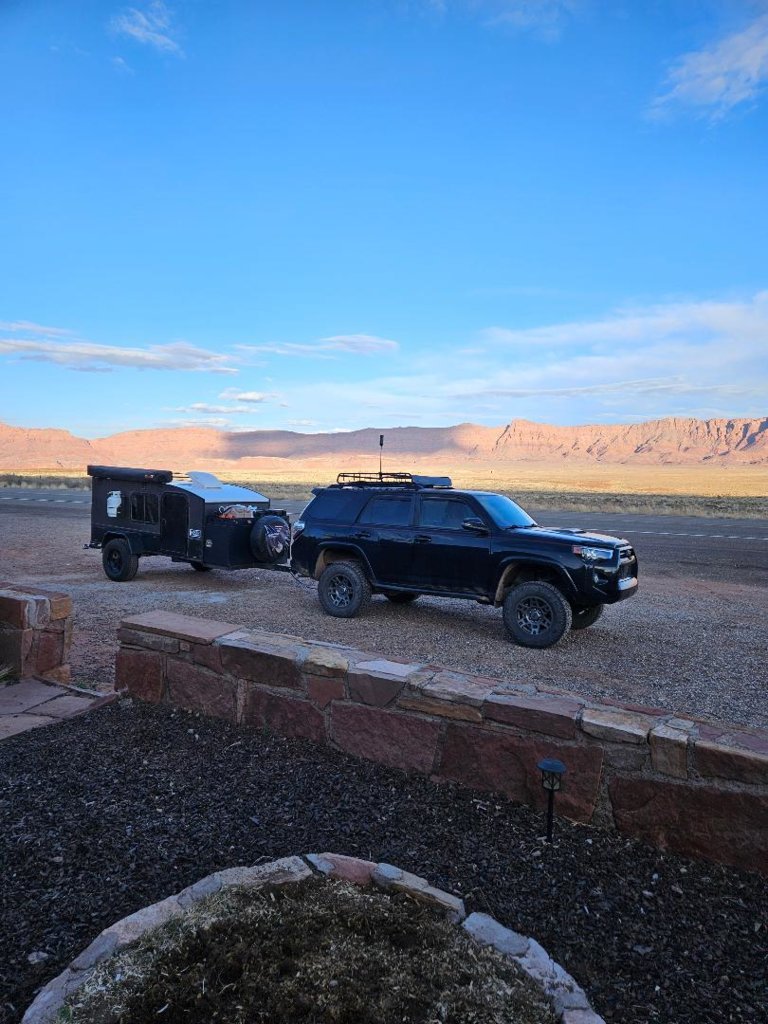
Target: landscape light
552,772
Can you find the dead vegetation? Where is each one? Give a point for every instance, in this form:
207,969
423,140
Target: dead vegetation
316,952
693,490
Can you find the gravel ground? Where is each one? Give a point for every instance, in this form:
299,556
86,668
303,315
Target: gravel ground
693,645
107,813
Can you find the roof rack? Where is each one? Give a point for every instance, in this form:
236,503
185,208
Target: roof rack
391,480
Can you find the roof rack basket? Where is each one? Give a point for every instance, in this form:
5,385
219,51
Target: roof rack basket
391,480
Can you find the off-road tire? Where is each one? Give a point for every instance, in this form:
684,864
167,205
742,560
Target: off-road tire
199,567
536,614
266,548
401,596
120,565
343,589
583,618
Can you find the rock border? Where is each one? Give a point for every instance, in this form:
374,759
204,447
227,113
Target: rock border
567,998
694,786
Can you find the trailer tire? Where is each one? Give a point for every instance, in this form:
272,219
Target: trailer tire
120,565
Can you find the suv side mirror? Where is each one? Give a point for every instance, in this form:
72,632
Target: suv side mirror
474,525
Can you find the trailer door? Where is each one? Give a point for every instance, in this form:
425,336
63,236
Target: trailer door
175,524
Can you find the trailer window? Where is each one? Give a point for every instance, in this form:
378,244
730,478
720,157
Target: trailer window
137,507
152,508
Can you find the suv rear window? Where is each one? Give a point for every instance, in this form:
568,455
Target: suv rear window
335,506
387,511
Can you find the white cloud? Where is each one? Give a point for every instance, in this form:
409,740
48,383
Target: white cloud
683,319
544,17
151,25
29,328
713,81
253,397
349,344
204,407
649,386
87,355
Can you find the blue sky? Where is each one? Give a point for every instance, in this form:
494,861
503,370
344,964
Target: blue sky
344,213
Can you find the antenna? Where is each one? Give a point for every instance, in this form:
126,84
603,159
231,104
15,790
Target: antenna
381,451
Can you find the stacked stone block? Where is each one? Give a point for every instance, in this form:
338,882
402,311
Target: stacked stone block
35,633
693,786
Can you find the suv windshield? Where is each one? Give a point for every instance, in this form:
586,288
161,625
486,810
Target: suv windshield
504,512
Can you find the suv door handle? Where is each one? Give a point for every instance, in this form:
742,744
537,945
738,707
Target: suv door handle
422,538
362,535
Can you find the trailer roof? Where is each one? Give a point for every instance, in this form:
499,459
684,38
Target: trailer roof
215,492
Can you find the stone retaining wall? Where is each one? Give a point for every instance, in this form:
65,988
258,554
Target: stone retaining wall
696,787
35,632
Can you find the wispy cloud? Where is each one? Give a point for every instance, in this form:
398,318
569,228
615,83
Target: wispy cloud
252,397
60,346
30,328
349,344
682,319
151,25
213,410
650,386
542,17
715,80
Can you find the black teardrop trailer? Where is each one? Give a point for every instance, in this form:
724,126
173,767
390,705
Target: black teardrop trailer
197,519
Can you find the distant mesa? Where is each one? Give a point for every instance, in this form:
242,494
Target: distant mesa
672,441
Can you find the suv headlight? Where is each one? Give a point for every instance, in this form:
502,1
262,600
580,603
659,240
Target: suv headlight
593,554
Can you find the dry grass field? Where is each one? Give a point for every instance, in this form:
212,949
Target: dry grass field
703,490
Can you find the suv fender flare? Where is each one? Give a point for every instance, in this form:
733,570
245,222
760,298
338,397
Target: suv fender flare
334,552
518,570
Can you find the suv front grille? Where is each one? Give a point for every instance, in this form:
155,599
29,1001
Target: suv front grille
627,562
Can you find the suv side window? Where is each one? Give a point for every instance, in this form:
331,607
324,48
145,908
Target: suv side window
335,506
445,513
388,511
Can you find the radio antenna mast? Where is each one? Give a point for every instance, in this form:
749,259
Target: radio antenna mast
381,450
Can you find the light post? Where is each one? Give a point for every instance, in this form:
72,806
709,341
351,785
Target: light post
552,772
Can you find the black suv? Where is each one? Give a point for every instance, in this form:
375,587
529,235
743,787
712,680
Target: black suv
402,536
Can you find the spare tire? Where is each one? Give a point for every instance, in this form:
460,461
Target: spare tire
270,539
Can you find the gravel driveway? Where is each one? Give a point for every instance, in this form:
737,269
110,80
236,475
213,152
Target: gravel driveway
692,645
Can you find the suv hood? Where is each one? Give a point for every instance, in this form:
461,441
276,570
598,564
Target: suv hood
569,535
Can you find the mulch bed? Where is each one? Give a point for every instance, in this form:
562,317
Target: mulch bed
308,952
102,815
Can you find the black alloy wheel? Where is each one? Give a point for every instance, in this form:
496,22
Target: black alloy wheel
343,589
536,614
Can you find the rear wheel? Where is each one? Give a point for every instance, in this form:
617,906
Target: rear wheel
583,618
536,614
119,564
199,567
343,589
401,596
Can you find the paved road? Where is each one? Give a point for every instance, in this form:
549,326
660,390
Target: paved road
728,550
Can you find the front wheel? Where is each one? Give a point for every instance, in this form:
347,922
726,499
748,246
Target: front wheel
119,564
536,614
583,618
343,589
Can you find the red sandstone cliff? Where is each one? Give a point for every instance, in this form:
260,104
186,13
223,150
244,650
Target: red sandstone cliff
657,442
